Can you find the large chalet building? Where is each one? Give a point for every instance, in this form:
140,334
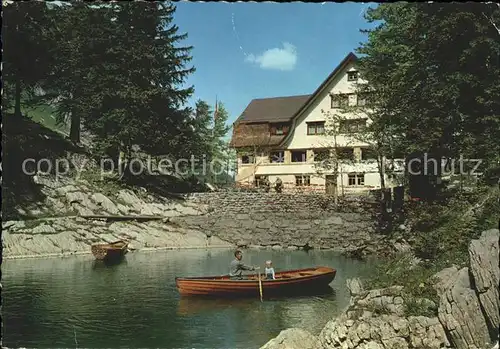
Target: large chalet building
285,137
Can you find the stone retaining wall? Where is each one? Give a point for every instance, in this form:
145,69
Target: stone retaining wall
254,201
282,220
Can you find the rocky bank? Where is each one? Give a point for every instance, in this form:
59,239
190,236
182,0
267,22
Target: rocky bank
56,224
467,315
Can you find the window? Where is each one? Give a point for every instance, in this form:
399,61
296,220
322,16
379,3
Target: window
301,181
278,129
356,179
340,100
316,128
247,159
352,126
352,75
299,156
368,154
277,156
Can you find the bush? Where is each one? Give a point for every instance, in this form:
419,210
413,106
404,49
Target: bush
415,278
440,237
444,230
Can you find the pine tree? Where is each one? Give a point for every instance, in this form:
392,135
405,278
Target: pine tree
139,99
25,50
435,72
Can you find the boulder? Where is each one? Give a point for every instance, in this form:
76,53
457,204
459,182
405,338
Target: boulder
355,286
292,338
388,331
460,311
484,266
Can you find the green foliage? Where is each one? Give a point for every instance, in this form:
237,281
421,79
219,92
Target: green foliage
443,231
418,307
416,280
434,72
210,128
440,237
25,56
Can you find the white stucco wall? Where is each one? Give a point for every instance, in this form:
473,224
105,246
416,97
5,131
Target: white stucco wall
301,140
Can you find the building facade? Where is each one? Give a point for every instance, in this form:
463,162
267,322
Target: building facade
292,138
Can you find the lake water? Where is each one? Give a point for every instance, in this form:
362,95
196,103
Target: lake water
76,302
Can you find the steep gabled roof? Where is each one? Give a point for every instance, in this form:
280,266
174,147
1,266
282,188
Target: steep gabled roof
351,57
277,109
280,109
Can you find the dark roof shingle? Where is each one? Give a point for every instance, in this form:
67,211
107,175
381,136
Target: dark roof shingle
277,109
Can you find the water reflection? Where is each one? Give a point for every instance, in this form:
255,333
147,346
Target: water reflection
106,263
136,304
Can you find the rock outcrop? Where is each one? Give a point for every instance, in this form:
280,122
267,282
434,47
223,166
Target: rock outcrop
460,310
66,232
467,313
375,319
484,264
292,338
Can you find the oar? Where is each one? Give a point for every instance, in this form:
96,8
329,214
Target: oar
260,284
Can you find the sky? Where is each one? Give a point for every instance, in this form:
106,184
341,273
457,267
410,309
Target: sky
244,51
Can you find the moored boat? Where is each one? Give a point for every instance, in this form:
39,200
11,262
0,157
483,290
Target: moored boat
300,281
111,251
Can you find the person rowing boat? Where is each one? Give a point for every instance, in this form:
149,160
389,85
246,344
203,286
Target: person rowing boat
236,267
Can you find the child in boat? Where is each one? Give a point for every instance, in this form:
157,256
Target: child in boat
269,271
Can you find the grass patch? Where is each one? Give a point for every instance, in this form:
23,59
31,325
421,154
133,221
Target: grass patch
46,116
377,309
418,307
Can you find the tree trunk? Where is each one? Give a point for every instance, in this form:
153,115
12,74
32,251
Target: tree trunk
17,107
381,172
74,133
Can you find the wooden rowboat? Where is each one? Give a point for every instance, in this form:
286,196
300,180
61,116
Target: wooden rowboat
300,281
111,251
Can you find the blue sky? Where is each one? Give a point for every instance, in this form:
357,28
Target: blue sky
244,51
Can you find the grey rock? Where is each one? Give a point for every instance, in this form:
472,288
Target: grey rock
484,266
355,286
459,309
44,229
292,338
129,198
104,202
13,225
62,191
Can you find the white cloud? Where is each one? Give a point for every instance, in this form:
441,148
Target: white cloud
276,58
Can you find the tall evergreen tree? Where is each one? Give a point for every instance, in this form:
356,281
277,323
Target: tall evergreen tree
25,50
435,71
139,100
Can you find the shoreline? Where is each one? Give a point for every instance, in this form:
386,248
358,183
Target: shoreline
83,253
166,248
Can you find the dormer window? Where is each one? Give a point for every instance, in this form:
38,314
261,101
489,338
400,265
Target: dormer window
279,129
352,75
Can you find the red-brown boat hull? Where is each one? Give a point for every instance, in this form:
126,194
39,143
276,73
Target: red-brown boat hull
301,281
